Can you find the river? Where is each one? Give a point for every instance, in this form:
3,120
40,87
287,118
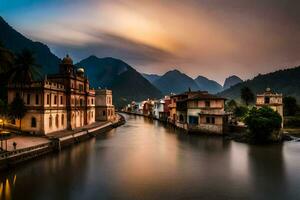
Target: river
146,160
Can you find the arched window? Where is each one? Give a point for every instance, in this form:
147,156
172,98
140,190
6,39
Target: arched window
50,121
62,119
56,121
33,122
181,118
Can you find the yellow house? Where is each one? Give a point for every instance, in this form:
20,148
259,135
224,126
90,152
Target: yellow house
271,99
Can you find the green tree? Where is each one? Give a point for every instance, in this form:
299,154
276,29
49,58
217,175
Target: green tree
247,95
17,108
289,106
25,70
241,111
231,106
6,65
263,123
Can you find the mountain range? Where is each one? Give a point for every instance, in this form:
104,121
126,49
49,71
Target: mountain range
175,81
16,42
231,81
128,84
285,81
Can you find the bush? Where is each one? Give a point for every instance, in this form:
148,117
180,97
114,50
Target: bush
263,123
290,106
241,111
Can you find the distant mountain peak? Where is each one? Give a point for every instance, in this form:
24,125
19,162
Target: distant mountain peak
208,85
16,42
127,84
231,81
174,81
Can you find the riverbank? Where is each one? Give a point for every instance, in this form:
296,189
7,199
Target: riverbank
30,147
235,133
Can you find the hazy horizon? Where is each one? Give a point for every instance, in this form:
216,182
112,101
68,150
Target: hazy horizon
205,37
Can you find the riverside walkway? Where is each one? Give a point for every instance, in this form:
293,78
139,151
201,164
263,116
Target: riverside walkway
29,147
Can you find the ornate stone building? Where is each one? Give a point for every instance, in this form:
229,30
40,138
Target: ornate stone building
271,99
105,110
59,102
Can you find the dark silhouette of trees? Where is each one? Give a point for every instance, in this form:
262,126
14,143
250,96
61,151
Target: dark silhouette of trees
25,69
17,108
263,123
290,106
247,95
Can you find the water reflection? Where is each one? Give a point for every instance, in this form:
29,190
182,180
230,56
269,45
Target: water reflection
147,160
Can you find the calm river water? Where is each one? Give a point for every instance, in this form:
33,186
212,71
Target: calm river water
145,160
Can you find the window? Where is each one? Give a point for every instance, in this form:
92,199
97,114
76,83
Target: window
80,87
181,119
103,113
92,114
267,100
33,122
56,121
61,100
55,99
213,120
81,102
50,121
193,120
62,119
207,103
88,102
48,99
210,120
28,99
37,101
92,101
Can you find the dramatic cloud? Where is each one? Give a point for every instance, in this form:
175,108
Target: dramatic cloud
214,38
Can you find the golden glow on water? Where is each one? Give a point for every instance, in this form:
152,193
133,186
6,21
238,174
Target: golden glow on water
15,179
1,191
145,160
7,190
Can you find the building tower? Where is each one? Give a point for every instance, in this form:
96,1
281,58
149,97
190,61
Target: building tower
271,99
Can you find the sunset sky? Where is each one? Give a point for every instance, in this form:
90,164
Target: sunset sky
213,38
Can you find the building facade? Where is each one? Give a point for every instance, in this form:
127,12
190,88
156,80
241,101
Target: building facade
105,110
200,112
271,99
59,102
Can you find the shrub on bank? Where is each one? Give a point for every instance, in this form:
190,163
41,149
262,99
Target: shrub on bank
264,124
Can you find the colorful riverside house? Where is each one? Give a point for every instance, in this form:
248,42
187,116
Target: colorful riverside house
148,107
158,108
59,102
271,99
174,111
201,112
161,109
105,110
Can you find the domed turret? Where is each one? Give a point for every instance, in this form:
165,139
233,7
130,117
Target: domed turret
66,66
80,71
67,60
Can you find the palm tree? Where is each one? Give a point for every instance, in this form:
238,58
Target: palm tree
17,109
6,65
25,69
